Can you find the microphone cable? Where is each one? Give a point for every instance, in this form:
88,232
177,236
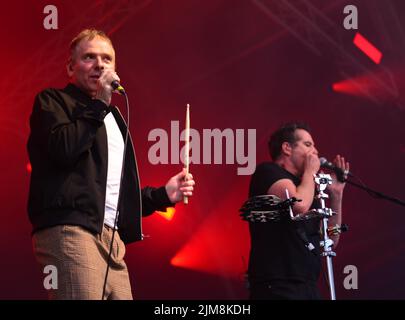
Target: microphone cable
119,193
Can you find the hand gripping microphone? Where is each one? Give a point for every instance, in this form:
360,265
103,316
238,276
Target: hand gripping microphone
329,165
118,87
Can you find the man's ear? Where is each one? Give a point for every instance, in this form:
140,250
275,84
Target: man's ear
286,148
69,68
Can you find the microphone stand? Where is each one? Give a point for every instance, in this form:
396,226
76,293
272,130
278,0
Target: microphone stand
342,177
322,181
376,194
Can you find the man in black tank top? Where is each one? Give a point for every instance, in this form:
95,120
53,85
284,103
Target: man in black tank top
280,265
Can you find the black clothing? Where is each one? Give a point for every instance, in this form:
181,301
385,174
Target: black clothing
285,290
68,151
277,251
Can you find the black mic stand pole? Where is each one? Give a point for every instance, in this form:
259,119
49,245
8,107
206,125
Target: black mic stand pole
376,194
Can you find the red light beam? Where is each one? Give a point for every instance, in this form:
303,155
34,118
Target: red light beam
367,47
168,214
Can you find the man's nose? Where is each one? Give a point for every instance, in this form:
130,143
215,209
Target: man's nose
99,63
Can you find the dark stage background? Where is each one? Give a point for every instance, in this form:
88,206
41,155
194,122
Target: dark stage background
241,64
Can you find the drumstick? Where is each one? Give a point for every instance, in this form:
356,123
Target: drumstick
289,207
187,147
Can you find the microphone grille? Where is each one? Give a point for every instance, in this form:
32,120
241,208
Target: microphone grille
323,160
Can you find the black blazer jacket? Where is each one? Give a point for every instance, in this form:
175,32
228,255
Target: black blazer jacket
68,151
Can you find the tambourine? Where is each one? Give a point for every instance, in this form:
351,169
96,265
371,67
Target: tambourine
266,208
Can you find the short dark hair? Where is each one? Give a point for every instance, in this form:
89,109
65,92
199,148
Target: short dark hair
286,133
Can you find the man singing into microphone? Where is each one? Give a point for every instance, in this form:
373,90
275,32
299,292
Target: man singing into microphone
76,148
280,264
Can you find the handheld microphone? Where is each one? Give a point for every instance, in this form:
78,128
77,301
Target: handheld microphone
329,165
118,87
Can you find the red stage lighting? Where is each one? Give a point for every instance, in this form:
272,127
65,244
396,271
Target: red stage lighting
351,86
221,244
168,214
367,47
